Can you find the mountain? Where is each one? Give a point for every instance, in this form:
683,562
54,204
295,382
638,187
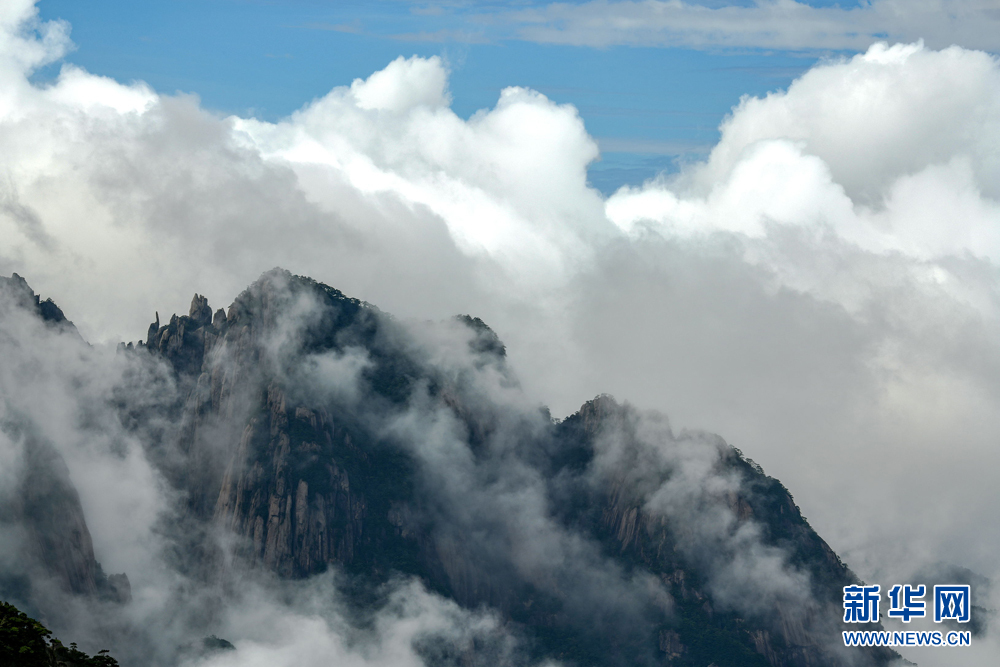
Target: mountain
17,290
44,504
302,431
24,642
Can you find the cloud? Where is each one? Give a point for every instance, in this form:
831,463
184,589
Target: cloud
28,43
822,290
382,171
306,626
524,157
771,24
683,480
837,250
495,516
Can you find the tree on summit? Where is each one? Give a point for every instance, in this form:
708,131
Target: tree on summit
24,642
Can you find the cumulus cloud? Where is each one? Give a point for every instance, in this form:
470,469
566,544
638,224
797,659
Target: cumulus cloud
862,198
503,182
822,290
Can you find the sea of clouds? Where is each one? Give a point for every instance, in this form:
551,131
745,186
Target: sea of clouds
822,290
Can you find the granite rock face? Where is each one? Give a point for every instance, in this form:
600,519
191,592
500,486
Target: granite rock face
297,519
277,474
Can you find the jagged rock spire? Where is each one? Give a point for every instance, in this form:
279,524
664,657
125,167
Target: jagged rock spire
200,313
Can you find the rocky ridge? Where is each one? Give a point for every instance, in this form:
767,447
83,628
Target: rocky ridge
306,486
304,477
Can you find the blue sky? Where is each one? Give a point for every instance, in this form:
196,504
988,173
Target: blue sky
651,107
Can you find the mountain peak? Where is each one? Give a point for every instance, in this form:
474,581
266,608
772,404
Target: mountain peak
18,289
305,431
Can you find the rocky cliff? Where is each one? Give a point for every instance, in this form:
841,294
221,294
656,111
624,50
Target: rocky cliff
302,430
306,479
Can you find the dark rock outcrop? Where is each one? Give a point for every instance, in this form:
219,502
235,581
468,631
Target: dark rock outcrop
16,288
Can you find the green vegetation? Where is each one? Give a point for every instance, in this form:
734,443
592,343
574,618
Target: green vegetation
24,642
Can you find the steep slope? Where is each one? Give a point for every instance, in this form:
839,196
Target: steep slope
41,517
316,431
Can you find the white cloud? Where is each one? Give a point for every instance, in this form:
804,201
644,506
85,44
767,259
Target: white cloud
781,24
27,43
311,629
503,181
895,149
404,84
